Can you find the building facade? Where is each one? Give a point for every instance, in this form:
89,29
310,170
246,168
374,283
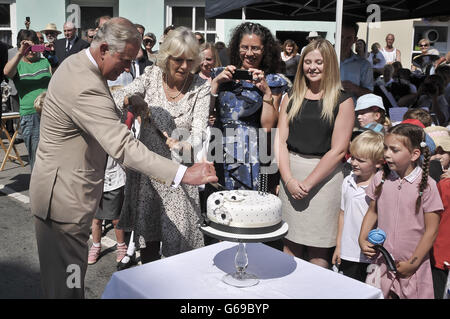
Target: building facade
155,15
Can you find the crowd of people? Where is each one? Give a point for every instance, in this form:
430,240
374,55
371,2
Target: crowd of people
346,164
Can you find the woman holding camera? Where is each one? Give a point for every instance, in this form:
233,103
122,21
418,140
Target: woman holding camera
243,106
31,74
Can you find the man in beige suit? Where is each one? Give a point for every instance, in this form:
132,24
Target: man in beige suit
80,125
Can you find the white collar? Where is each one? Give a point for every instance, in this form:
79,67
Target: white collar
91,58
352,182
411,176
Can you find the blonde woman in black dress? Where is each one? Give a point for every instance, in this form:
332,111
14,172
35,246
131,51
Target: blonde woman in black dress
314,130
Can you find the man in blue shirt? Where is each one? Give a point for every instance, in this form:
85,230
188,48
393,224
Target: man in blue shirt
356,72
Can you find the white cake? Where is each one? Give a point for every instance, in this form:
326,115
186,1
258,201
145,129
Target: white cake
244,211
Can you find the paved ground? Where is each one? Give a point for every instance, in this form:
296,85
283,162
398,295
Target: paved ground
19,263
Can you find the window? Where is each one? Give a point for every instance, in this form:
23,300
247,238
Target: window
5,23
194,19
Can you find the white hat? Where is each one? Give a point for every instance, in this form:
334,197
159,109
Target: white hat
368,100
312,34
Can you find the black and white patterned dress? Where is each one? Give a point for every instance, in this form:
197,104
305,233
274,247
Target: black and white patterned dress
154,211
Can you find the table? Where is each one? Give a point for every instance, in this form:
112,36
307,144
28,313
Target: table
11,146
197,274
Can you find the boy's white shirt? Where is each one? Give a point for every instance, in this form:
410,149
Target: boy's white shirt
354,203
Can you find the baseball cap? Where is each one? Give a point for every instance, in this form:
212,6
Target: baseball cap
368,100
440,136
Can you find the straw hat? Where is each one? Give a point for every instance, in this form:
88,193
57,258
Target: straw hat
440,136
51,27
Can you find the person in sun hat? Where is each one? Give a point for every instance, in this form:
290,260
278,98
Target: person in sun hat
313,35
370,112
441,138
51,32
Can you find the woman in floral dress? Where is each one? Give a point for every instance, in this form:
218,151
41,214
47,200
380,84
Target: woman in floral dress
178,101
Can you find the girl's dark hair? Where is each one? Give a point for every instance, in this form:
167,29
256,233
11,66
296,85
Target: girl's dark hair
413,137
271,61
292,44
27,35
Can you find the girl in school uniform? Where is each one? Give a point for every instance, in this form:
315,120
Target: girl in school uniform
405,203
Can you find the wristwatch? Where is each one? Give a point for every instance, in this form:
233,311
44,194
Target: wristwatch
269,101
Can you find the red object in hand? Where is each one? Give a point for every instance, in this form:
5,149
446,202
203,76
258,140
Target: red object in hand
130,120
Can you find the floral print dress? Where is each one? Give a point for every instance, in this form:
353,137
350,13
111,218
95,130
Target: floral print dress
157,212
240,106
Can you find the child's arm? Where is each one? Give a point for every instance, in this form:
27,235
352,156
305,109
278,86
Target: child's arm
408,267
367,225
337,251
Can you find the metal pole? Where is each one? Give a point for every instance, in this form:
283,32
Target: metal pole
337,44
367,37
243,14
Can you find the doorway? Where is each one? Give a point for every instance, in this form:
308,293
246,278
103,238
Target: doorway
299,37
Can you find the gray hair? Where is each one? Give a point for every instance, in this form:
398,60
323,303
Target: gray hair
178,42
69,25
116,32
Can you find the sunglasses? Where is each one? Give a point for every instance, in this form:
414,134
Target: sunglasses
147,41
423,45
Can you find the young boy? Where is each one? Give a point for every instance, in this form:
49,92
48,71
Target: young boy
370,112
367,157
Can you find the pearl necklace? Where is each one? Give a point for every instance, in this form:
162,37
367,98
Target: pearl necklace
179,92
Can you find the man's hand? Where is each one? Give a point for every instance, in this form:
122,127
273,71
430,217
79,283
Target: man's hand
199,174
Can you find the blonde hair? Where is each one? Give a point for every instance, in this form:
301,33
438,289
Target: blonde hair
39,102
178,42
424,40
387,123
330,83
368,145
215,53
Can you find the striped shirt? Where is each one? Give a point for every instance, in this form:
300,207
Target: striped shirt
31,80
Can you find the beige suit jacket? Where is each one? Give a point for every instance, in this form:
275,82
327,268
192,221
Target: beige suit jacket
80,124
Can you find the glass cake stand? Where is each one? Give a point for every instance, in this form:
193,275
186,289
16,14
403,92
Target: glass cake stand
241,278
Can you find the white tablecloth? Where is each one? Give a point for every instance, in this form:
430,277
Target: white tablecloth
197,274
